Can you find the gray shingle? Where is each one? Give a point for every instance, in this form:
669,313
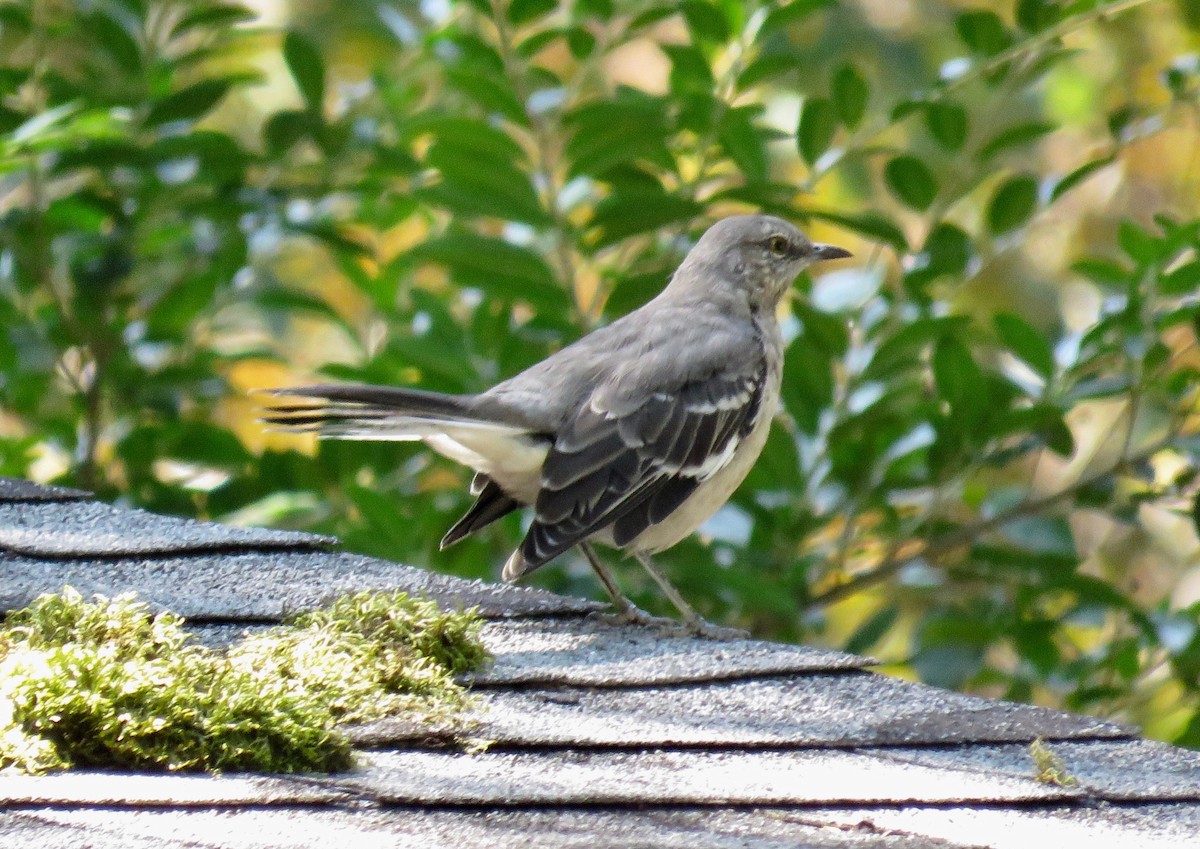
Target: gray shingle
820,709
589,651
595,653
264,586
15,489
131,789
604,736
90,529
800,777
1144,826
1117,770
402,828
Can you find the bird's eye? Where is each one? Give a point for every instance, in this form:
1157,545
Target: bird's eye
777,245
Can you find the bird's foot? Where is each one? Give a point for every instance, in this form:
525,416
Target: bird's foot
703,628
668,627
634,615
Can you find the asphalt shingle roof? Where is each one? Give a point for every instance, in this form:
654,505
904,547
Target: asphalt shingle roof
601,735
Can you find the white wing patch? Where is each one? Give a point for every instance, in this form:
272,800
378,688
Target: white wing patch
713,463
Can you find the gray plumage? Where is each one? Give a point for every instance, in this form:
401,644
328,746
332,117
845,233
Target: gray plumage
633,435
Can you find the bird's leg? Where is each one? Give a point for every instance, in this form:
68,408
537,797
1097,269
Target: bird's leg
627,611
692,620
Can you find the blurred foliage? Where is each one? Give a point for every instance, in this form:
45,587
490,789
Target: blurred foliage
985,472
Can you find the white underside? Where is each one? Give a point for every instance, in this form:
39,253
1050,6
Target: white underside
506,454
512,459
708,498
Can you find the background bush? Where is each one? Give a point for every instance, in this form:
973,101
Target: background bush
986,471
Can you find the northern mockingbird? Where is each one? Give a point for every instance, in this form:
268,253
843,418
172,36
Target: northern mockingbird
632,436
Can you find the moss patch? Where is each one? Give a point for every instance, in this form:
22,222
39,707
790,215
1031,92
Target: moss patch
1048,767
104,683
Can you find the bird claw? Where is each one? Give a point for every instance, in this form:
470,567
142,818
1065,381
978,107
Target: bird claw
668,627
633,615
709,631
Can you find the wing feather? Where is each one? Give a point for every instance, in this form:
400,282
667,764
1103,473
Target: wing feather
633,469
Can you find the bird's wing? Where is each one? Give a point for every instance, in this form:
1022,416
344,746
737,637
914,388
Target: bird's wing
629,459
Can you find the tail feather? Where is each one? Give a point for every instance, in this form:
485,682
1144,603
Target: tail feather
382,397
358,411
506,453
491,503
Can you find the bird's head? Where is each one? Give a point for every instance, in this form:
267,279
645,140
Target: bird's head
759,255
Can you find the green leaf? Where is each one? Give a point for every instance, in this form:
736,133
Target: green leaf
221,158
1042,420
1024,340
1013,204
212,17
476,180
649,17
850,93
608,133
983,32
284,129
305,65
10,119
1196,517
689,69
625,214
873,225
1080,174
334,237
948,250
465,131
602,9
807,382
783,15
490,91
1014,136
1036,15
705,21
1141,247
538,41
580,42
947,123
188,104
911,181
1184,280
768,65
744,143
114,39
14,19
873,630
958,378
523,11
827,332
818,123
1102,271
505,271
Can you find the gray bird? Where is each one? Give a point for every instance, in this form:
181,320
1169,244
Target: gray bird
632,436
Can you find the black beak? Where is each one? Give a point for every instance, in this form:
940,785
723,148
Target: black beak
820,252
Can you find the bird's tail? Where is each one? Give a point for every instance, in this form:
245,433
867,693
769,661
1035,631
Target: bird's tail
503,451
362,412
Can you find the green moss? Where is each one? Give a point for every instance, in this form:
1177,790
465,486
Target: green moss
104,683
1048,767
